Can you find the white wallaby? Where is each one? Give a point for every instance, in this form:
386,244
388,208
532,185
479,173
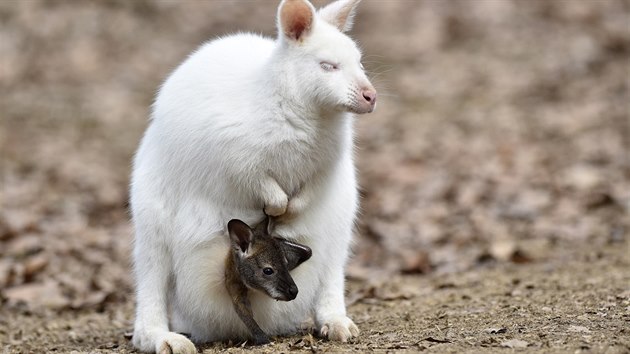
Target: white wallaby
248,123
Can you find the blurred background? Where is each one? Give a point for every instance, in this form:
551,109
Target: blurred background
502,134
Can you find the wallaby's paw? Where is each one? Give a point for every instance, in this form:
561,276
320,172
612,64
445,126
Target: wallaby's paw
174,343
307,326
295,207
277,207
339,329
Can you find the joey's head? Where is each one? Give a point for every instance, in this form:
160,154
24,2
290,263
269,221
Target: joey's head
319,60
263,261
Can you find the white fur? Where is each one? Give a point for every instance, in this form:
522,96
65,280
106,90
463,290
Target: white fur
244,123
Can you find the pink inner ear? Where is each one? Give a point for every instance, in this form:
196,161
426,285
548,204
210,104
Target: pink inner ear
296,18
342,17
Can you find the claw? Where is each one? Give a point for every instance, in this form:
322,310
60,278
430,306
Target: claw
165,349
324,331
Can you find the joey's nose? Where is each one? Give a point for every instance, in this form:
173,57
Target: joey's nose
293,291
369,96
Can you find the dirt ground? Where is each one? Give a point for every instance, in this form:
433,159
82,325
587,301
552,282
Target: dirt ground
577,305
495,172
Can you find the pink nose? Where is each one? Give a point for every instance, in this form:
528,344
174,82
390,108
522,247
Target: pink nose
370,96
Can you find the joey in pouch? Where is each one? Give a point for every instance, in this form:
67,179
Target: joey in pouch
259,261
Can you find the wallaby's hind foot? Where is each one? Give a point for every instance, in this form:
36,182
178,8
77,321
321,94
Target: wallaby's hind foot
339,329
174,343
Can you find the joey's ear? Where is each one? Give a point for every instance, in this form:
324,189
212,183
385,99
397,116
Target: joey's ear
266,225
240,234
295,253
295,19
340,14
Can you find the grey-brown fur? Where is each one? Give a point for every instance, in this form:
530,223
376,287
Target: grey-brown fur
253,253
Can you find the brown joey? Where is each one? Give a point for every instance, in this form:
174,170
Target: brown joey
261,262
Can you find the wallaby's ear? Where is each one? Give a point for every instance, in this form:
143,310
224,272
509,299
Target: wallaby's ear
340,14
295,253
240,234
295,18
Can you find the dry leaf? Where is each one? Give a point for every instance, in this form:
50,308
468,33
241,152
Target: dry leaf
578,329
496,330
35,265
37,296
503,250
24,245
415,261
5,272
514,343
18,221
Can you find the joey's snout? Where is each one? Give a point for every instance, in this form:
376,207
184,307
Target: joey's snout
293,291
286,292
289,293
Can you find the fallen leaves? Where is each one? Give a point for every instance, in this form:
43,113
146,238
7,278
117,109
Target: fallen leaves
40,273
307,342
37,296
382,290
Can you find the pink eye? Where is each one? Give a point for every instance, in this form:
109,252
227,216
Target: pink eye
327,66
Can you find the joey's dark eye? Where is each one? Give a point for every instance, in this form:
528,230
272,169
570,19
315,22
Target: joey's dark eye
328,66
268,271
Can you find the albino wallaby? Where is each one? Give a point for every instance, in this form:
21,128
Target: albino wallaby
247,123
262,262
